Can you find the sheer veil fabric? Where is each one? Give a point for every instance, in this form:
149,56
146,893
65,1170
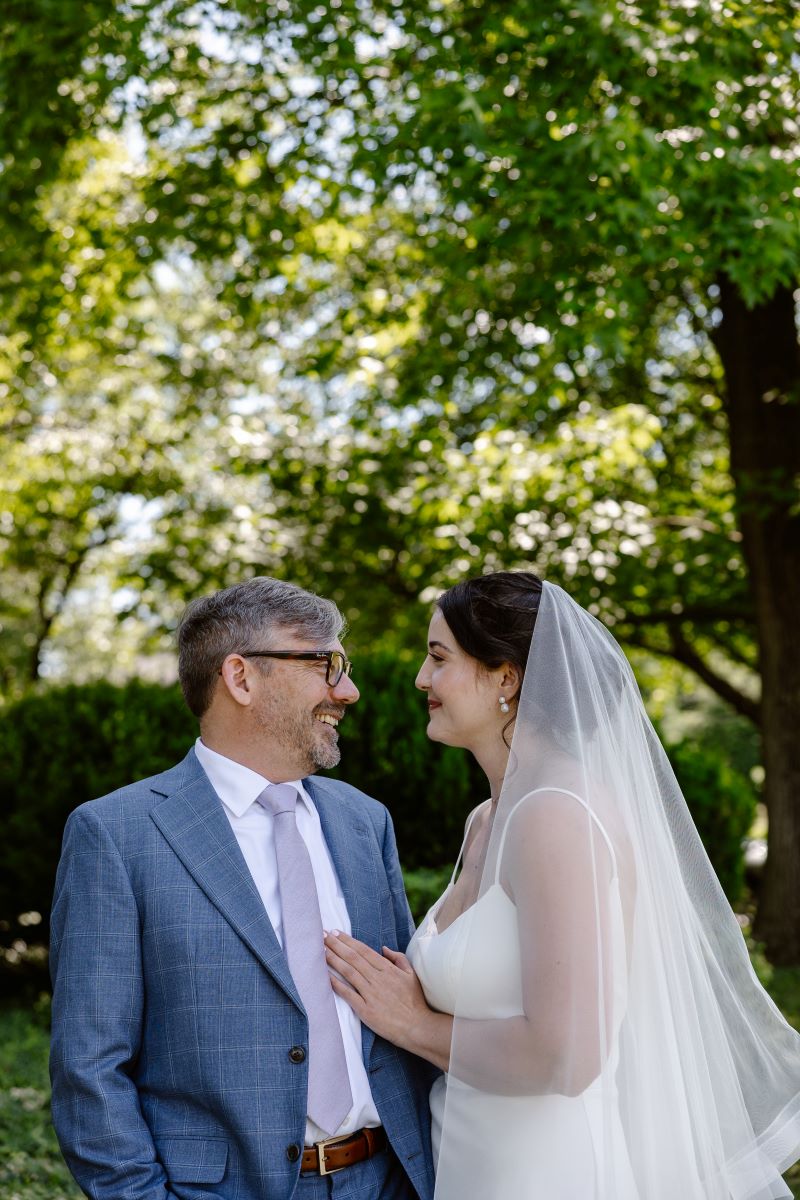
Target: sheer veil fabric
611,1040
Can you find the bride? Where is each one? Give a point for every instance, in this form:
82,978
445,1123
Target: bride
582,981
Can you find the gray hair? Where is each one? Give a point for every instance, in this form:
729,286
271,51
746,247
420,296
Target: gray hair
242,618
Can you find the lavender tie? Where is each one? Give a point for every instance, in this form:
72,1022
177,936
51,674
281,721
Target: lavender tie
329,1095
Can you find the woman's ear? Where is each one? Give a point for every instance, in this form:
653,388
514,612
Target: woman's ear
511,680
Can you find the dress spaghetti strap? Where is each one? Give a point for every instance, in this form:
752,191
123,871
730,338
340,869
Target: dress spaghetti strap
564,792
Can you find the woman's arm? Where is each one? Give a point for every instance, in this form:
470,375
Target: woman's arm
557,868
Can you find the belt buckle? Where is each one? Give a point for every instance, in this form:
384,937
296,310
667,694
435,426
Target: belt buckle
320,1148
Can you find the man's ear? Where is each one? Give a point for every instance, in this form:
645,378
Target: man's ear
236,679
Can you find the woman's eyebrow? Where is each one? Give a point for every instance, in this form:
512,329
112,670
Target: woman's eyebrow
440,645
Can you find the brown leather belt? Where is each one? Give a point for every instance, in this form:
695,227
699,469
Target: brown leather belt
334,1154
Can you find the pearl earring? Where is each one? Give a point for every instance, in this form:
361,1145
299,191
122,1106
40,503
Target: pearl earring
504,705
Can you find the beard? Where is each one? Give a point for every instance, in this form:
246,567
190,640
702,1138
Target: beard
326,752
315,743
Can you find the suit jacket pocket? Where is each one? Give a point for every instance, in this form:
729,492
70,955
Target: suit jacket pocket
193,1160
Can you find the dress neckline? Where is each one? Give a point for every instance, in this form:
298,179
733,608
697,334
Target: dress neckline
432,913
466,911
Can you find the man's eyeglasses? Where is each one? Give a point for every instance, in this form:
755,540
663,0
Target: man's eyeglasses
337,664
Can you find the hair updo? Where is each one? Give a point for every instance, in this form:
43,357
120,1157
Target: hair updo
492,617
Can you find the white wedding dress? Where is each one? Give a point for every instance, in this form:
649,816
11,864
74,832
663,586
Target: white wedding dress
512,1147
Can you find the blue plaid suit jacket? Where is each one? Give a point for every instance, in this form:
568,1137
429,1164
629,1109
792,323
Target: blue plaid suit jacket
173,1007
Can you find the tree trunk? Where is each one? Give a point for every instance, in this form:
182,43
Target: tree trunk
759,352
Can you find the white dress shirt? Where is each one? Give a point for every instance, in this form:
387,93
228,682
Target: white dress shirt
237,787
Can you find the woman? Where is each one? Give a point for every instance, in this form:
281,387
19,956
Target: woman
583,981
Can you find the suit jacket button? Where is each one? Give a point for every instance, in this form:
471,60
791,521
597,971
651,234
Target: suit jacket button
293,1152
297,1054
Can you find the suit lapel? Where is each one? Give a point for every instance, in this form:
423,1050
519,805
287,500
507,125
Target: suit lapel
192,820
353,852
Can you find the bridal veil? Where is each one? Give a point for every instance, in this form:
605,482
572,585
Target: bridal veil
640,1014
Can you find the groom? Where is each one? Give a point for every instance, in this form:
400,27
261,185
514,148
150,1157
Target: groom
199,1052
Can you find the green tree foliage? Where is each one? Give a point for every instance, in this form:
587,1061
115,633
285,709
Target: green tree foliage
354,210
523,277
339,211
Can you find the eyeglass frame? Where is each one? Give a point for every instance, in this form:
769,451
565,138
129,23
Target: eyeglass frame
309,656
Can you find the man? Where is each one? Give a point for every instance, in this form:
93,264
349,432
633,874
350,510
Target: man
199,1051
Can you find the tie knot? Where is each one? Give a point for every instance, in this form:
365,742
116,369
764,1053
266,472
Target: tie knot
278,798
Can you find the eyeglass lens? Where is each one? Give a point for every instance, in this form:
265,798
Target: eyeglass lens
335,668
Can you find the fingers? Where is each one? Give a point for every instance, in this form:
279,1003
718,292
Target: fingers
355,954
350,995
399,959
345,970
353,968
345,974
344,943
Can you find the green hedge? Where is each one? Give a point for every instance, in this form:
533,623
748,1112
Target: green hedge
723,806
66,745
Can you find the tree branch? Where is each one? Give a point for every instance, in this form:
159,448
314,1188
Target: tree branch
691,612
673,520
681,651
49,609
733,652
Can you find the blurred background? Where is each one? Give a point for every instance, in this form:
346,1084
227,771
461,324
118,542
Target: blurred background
372,296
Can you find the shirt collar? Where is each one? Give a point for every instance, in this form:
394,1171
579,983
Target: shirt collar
237,785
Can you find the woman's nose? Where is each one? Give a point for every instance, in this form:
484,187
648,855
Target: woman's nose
422,682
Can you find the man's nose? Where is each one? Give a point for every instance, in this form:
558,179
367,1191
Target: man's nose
345,691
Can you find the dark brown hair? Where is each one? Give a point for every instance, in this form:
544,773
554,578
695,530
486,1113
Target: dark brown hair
492,617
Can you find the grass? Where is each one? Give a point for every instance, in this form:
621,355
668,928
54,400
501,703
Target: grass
31,1167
